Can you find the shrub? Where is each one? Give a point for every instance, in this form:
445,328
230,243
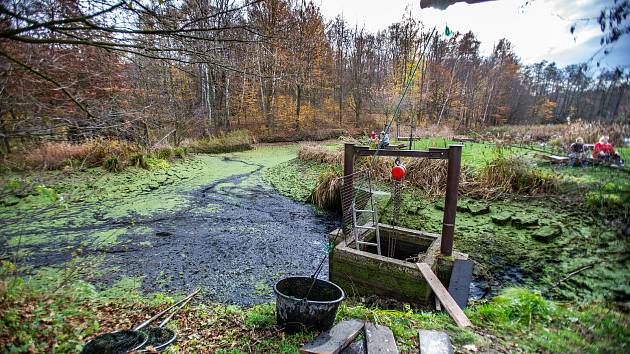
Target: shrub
164,153
113,164
139,160
239,140
180,152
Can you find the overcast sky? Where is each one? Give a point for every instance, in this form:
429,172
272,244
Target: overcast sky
540,30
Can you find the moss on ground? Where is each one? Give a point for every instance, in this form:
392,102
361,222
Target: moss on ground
96,206
534,241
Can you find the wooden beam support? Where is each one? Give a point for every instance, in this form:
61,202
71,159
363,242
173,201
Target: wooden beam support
445,298
450,202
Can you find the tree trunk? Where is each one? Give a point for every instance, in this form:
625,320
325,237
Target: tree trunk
298,103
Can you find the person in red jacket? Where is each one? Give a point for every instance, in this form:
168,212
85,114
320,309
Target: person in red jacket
605,151
603,148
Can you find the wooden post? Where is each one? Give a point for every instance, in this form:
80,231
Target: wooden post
347,187
450,203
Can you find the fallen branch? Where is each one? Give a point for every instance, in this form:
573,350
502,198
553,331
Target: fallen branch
584,267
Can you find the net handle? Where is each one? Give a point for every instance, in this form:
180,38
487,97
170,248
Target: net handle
186,299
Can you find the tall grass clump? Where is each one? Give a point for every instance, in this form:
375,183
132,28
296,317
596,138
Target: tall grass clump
180,152
320,154
54,155
139,160
513,175
90,153
238,140
557,135
165,153
103,149
113,164
327,194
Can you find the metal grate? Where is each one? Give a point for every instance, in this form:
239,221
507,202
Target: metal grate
360,212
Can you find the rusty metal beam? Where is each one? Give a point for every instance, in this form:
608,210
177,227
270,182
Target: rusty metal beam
431,154
450,202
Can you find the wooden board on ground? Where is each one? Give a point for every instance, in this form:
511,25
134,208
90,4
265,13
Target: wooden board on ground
434,342
335,339
464,139
379,339
459,286
445,298
554,158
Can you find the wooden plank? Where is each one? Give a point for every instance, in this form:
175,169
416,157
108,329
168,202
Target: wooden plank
434,342
445,298
379,339
335,339
459,286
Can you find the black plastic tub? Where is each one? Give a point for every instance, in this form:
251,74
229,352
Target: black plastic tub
317,312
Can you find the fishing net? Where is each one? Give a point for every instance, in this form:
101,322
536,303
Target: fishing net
159,337
116,343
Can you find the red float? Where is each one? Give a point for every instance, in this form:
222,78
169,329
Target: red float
398,172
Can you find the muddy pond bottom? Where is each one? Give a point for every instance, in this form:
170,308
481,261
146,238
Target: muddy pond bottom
235,240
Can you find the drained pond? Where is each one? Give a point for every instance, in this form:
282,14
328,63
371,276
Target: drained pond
210,222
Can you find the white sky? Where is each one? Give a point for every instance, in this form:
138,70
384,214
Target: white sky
540,30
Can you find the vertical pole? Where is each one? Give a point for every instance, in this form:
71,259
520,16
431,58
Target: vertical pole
347,189
450,203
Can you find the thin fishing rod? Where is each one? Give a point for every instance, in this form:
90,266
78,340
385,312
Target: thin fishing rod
402,97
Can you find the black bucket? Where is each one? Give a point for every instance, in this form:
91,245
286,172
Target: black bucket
294,313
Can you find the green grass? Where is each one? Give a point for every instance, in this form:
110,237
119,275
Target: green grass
52,310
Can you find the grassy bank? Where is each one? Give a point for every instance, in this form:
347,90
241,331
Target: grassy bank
51,311
116,155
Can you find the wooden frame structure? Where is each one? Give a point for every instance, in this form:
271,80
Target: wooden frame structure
454,156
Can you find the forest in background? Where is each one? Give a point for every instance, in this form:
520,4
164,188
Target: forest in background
165,71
